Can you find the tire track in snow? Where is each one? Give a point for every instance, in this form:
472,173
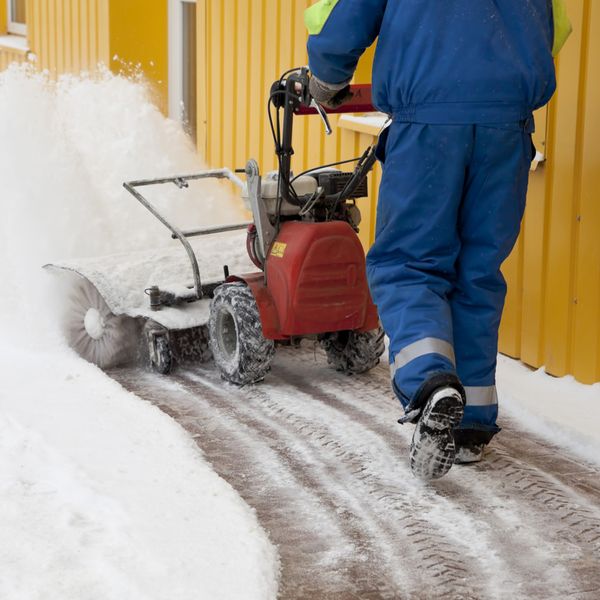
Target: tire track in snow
580,521
371,543
449,560
350,482
308,437
549,488
469,498
283,498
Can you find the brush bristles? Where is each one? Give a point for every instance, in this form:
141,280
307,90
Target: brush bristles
118,341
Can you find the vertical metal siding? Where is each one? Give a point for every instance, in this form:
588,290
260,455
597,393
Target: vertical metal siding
68,35
136,33
9,56
248,44
552,316
3,17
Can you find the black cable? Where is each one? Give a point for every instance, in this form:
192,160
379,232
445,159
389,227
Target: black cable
275,126
294,70
277,138
276,133
277,141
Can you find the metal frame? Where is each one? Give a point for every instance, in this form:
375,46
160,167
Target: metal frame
182,182
266,232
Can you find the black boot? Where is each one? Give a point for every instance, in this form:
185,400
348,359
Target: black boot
432,451
470,445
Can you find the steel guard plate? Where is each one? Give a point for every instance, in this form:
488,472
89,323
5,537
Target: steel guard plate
316,282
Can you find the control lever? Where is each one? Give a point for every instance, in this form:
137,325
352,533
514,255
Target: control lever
363,167
314,104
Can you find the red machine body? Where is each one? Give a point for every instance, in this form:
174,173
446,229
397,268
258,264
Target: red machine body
315,282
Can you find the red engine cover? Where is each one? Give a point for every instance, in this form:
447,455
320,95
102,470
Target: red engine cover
316,280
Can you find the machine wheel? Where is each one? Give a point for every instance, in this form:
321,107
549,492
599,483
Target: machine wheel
159,348
354,352
191,345
241,353
94,332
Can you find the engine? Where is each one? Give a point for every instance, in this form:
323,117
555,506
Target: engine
318,193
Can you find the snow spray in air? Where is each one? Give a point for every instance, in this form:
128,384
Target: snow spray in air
66,147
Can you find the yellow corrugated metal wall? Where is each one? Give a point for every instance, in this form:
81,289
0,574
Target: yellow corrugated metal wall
552,316
138,32
3,17
68,35
248,45
9,55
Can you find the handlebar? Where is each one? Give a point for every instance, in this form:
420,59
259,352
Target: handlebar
361,102
290,93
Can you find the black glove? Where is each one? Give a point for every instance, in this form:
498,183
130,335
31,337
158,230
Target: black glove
330,95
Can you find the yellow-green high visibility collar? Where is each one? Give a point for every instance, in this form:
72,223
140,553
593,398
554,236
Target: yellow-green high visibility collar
562,25
316,16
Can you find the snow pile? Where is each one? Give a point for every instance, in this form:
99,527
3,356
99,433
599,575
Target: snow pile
65,151
101,495
122,278
561,409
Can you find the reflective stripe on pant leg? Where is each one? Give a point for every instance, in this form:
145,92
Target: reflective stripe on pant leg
416,364
420,348
481,395
481,410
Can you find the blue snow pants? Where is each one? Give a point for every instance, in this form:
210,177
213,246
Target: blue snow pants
450,206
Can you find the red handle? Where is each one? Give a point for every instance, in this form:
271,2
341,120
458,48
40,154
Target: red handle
361,102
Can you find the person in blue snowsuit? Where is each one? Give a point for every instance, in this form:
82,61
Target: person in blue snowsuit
460,80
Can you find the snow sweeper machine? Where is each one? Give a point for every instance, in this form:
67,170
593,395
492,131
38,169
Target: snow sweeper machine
296,271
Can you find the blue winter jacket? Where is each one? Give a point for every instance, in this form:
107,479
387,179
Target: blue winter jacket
443,61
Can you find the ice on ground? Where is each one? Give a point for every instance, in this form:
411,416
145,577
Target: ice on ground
102,496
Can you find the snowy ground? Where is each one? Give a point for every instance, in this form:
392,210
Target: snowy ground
102,496
559,408
321,458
